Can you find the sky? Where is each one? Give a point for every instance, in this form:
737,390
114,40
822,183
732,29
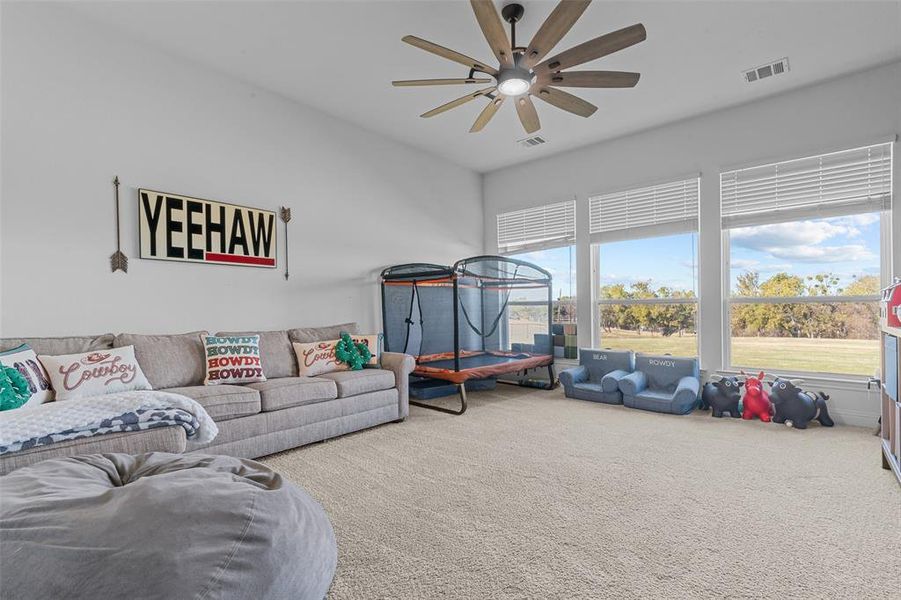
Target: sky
845,246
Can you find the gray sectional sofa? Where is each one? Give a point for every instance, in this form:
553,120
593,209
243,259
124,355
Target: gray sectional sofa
255,419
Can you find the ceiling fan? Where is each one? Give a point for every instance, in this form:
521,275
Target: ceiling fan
522,72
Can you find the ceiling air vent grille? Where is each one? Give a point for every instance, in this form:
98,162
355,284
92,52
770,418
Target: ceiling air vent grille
768,70
531,142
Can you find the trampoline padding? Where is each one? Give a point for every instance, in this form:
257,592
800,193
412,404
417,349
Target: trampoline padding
478,365
161,526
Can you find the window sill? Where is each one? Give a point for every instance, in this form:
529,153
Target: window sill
833,380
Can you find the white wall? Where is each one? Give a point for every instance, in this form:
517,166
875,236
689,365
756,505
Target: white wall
82,103
852,111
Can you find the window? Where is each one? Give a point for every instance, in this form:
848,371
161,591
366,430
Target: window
527,315
545,236
645,243
538,228
804,245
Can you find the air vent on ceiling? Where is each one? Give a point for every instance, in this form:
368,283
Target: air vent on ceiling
531,142
768,70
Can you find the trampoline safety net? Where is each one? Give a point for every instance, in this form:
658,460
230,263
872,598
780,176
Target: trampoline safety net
482,317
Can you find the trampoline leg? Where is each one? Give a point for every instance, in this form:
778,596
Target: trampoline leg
461,388
552,377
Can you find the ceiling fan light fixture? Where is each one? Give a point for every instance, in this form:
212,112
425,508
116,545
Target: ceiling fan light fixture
514,82
524,71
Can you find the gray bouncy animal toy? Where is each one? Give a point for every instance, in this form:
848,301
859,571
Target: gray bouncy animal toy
795,407
722,395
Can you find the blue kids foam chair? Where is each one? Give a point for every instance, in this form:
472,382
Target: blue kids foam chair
598,375
665,384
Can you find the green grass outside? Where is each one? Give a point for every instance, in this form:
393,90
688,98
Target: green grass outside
858,357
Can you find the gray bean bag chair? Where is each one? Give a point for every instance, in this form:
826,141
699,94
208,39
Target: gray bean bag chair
160,525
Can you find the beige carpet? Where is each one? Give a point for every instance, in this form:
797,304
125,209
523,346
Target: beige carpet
531,495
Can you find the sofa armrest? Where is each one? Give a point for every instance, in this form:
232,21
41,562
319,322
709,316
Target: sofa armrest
610,381
570,377
402,365
633,383
687,389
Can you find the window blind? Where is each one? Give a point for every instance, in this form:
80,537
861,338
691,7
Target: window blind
840,183
541,227
663,209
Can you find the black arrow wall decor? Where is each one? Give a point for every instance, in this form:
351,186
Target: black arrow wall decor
285,213
118,260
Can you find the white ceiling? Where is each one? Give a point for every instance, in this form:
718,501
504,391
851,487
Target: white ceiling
340,57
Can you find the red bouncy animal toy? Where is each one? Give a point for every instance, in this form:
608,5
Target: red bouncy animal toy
756,402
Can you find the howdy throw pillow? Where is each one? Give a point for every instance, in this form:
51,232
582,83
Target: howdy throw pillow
95,373
316,358
233,359
25,361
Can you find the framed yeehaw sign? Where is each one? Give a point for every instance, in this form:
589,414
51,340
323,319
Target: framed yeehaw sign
186,229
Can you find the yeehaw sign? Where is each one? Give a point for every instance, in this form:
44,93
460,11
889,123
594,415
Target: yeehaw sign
188,229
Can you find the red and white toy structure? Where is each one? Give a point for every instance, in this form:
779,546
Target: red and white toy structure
891,304
756,402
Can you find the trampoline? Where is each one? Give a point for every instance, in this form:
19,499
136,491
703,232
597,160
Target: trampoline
485,317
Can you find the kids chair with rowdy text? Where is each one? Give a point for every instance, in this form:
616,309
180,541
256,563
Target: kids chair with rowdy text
666,384
598,375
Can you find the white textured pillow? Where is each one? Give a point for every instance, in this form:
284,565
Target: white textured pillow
95,373
25,361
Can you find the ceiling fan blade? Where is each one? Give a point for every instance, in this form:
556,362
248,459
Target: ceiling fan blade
558,23
592,49
564,100
591,79
528,116
448,54
486,114
416,82
457,102
493,29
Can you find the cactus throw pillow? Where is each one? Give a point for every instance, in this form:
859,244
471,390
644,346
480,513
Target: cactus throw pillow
25,361
316,358
232,359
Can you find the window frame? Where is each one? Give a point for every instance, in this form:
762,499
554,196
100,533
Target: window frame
728,301
646,231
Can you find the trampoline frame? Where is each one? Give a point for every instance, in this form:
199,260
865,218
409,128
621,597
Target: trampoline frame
416,273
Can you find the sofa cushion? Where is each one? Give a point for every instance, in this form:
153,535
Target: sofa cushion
306,335
223,402
276,352
354,383
595,392
168,360
285,392
55,346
